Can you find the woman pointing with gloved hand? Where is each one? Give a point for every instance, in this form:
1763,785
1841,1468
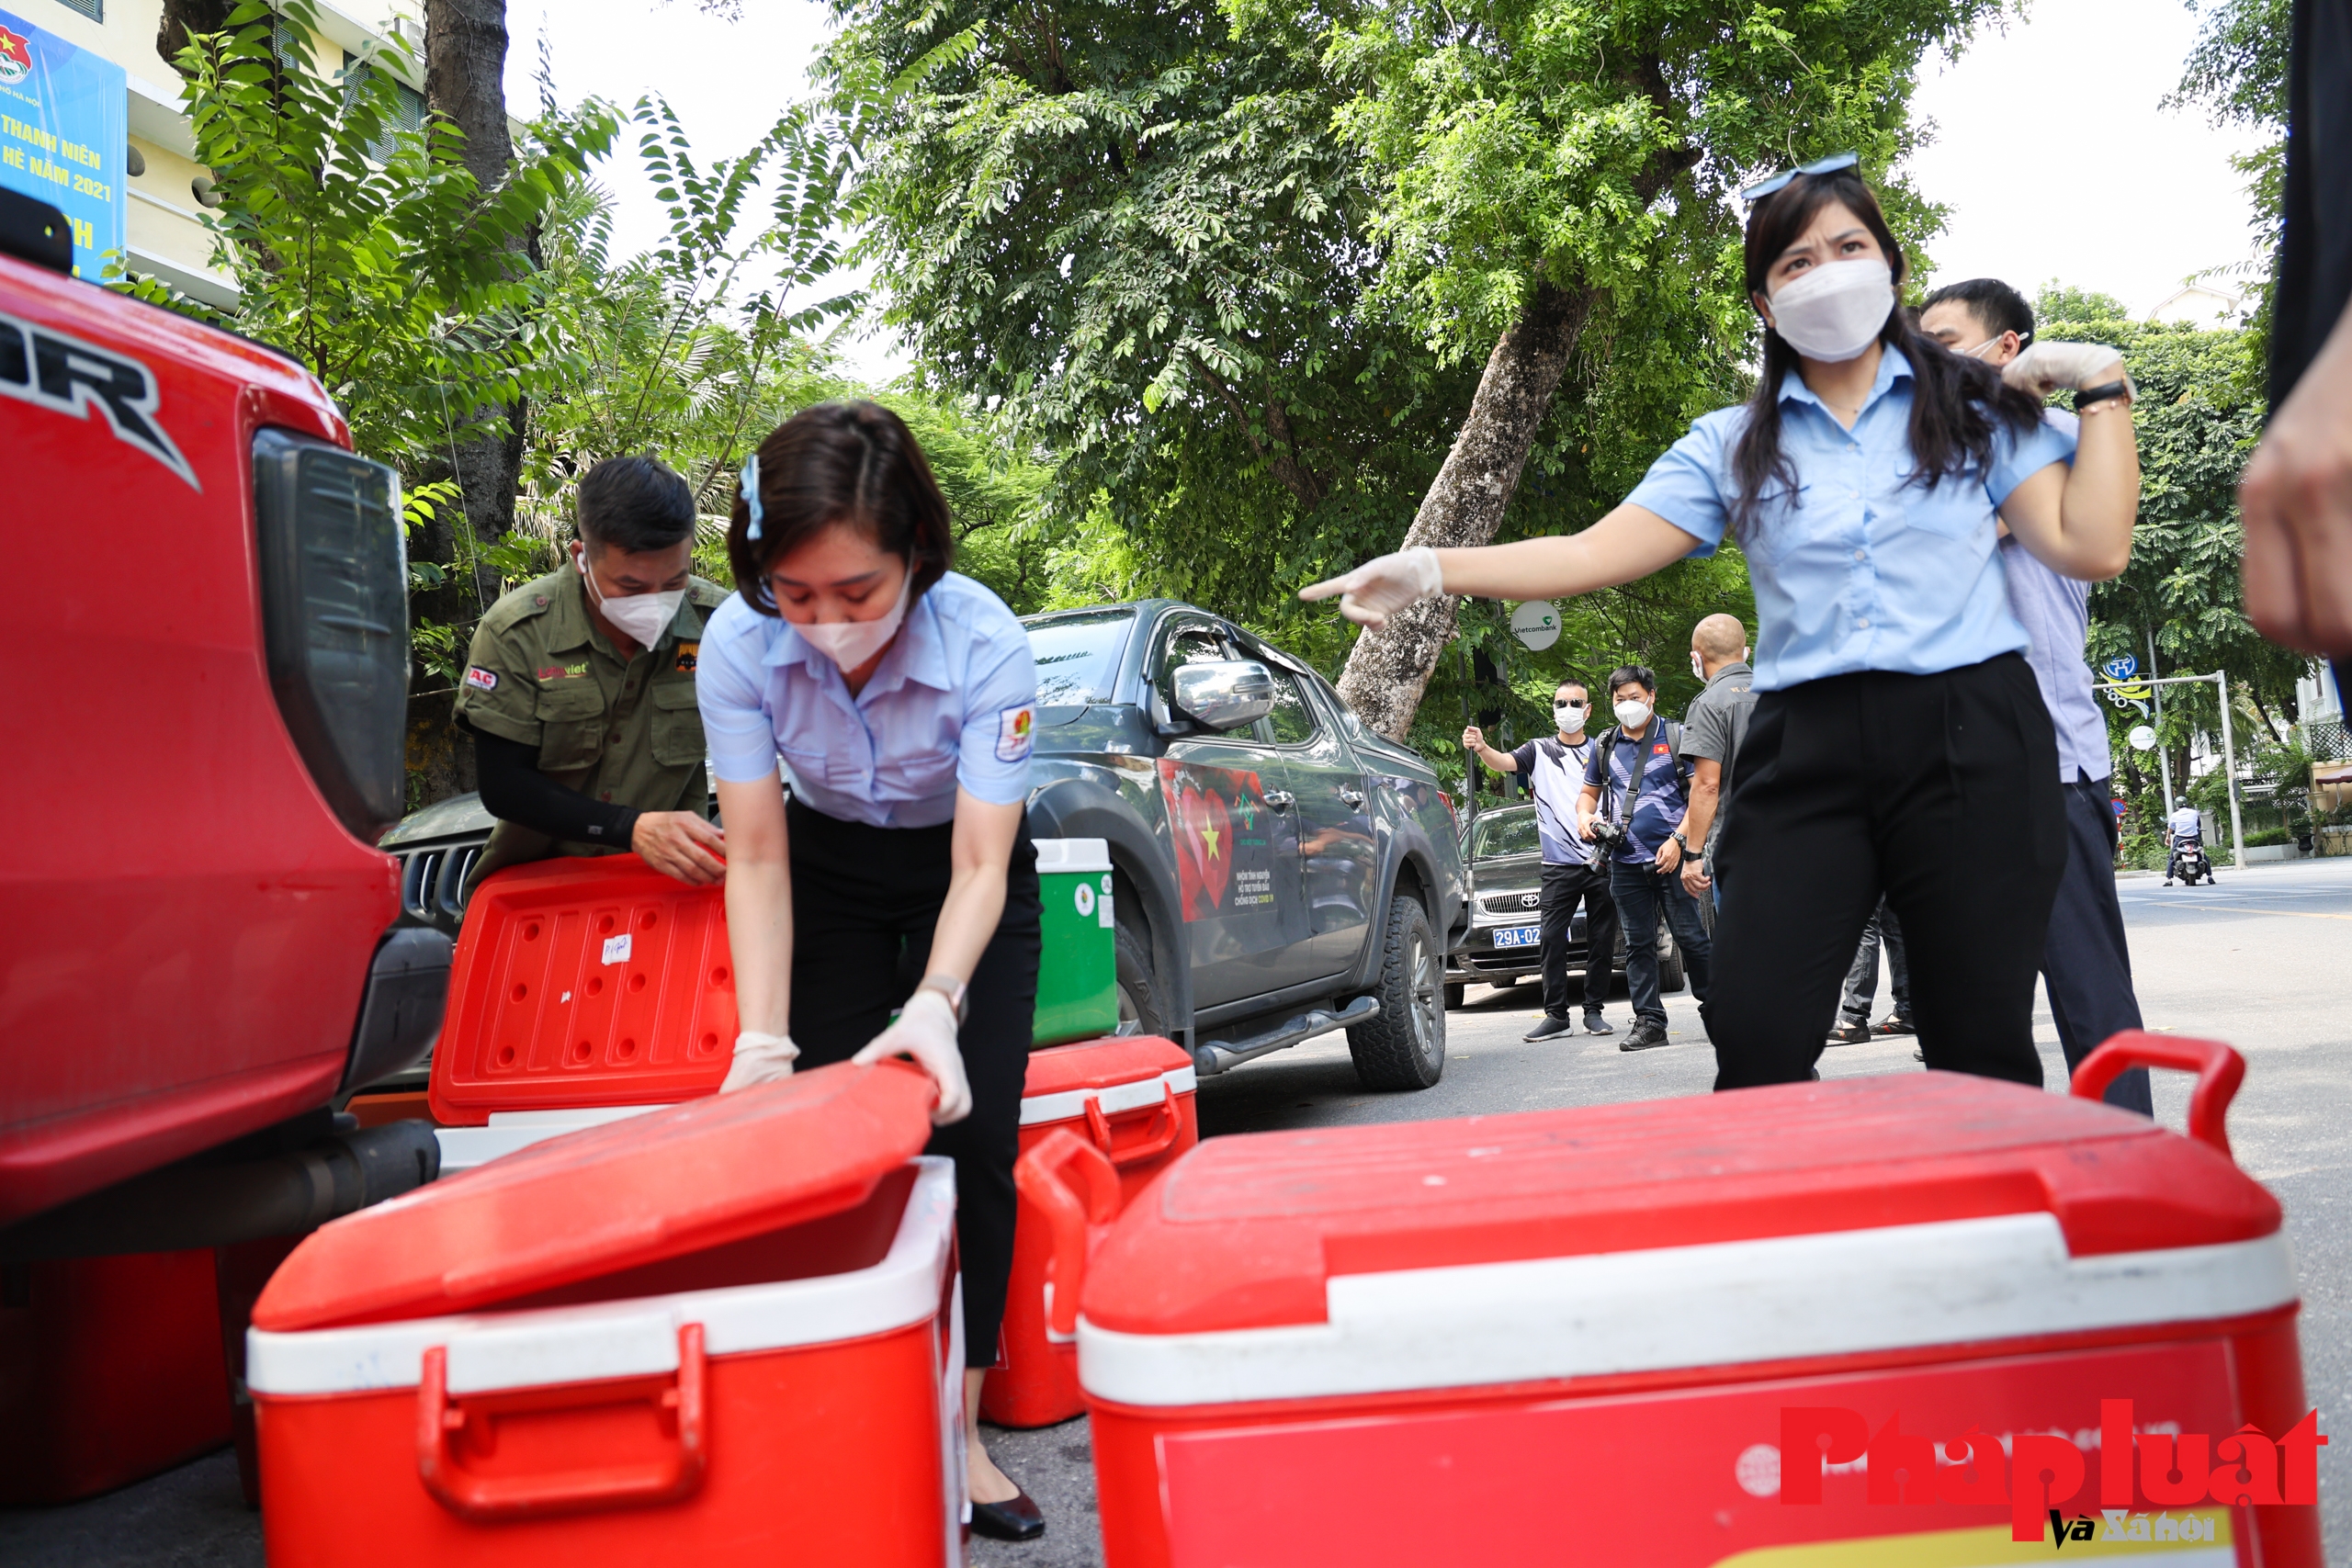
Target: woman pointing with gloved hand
1899,743
899,697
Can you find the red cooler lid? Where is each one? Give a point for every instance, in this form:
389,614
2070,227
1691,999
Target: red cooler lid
581,981
608,1198
1245,1231
1101,1063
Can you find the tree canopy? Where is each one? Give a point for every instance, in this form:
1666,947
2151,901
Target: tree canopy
1238,268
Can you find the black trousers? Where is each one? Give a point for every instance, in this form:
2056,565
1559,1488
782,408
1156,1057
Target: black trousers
1645,896
864,903
1940,792
1563,886
2086,963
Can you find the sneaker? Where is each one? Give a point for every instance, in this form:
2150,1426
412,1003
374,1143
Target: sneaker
1849,1033
1595,1025
1920,1057
1549,1027
1647,1032
1894,1023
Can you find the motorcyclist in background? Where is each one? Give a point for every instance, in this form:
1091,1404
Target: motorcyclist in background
2183,827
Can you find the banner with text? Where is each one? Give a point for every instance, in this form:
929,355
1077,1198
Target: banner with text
63,130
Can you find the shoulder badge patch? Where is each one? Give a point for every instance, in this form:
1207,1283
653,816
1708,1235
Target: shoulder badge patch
482,680
686,653
1013,733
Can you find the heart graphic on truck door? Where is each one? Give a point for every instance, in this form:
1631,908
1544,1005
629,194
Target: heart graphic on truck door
1208,840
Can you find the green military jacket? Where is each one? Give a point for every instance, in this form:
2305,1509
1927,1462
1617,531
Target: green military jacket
539,673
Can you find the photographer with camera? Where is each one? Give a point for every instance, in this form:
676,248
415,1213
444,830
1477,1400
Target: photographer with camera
1574,870
1636,793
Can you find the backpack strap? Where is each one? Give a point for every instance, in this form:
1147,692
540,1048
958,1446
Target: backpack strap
1681,764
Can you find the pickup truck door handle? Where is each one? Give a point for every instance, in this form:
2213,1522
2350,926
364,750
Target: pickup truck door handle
1280,799
1355,797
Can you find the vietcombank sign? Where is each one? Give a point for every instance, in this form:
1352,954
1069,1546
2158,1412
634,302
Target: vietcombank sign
63,134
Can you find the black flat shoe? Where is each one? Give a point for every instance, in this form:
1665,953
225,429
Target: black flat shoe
1016,1518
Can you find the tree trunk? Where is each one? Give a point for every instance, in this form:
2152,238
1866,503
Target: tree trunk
182,17
465,84
1388,670
465,79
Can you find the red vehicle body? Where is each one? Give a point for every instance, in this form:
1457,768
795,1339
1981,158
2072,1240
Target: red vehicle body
190,920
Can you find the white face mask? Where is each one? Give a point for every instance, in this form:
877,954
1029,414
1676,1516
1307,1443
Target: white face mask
851,643
1835,312
1697,665
640,617
1569,716
1632,712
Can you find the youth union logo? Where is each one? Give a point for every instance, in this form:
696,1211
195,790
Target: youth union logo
15,57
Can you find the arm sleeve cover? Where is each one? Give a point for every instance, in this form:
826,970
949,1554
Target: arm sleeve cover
513,790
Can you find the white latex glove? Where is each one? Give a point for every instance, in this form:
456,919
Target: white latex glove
759,1058
926,1031
2045,367
1383,585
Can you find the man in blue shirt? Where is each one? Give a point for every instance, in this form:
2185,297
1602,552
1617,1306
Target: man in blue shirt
1637,785
2086,961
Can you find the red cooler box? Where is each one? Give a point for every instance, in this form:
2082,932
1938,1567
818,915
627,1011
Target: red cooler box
726,1333
585,981
1588,1337
1131,1099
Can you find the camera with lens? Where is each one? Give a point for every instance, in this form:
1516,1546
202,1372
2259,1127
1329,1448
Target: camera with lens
1608,835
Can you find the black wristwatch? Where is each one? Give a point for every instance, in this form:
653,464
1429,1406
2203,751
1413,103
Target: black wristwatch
2100,394
1683,842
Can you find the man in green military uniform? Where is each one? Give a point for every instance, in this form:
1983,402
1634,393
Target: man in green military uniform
580,689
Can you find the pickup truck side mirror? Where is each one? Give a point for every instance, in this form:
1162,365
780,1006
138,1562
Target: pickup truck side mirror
1224,694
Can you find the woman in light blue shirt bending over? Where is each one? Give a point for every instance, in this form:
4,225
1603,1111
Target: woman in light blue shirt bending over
1899,743
898,696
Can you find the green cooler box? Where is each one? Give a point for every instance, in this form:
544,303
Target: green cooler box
1077,970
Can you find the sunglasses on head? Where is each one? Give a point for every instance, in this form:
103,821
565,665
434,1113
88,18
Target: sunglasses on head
1830,166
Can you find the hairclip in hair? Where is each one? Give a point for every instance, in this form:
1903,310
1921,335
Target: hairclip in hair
750,480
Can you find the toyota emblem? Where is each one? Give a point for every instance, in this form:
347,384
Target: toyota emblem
1529,900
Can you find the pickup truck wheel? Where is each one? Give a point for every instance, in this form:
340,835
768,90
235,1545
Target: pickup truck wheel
1140,1011
1404,1045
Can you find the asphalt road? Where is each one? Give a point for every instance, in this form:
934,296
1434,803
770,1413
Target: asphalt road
2262,960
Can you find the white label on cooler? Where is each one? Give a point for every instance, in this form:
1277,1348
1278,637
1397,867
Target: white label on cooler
1085,900
1104,905
617,948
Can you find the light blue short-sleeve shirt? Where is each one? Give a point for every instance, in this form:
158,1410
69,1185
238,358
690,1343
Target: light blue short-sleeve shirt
2056,614
1860,569
952,704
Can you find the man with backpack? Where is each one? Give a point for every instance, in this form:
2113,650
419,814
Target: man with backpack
1573,867
1636,795
1717,725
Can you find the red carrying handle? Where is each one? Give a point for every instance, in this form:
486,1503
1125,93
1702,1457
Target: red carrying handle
1154,1143
1042,1176
2219,1071
480,1499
